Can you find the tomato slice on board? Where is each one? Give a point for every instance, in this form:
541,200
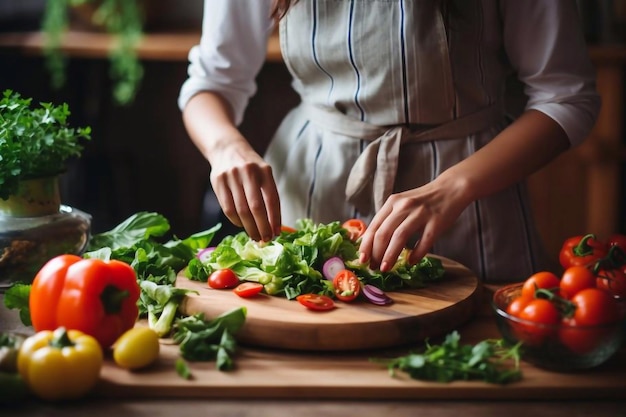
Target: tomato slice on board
287,229
248,289
316,302
355,228
223,278
347,285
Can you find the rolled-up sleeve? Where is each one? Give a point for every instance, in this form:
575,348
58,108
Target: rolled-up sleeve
545,45
231,51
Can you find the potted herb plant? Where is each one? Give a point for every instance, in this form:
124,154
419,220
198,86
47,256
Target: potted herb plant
36,142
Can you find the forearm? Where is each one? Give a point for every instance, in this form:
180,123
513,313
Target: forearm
209,123
525,146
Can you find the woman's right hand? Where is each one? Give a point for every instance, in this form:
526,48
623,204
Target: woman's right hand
246,190
242,181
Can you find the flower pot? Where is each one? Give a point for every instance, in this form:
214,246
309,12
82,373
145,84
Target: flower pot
35,227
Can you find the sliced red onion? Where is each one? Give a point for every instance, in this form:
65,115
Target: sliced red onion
375,295
204,254
332,266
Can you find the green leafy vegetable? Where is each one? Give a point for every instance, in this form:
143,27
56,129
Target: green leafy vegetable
34,141
290,264
201,339
182,369
16,297
490,360
161,302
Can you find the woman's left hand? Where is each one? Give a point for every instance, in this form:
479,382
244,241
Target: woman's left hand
412,219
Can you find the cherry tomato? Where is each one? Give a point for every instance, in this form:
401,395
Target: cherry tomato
581,339
287,229
544,279
248,289
581,250
595,306
543,315
355,228
612,280
347,285
576,279
223,278
316,302
516,306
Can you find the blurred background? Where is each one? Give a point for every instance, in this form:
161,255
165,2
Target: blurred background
140,157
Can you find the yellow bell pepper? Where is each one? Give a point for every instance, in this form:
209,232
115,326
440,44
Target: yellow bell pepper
60,364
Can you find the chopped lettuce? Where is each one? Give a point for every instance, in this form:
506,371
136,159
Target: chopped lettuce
290,264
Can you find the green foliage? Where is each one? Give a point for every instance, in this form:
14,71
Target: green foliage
490,360
34,141
121,18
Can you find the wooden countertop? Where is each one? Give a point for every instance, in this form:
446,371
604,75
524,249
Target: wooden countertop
277,384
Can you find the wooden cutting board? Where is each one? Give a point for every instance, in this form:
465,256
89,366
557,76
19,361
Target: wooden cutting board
279,323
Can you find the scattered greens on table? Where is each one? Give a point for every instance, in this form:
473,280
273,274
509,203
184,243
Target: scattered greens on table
490,360
290,264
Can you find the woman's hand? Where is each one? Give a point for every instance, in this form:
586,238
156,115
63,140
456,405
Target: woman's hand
241,179
246,190
413,219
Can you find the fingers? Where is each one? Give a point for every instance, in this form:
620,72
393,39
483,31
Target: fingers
399,224
249,198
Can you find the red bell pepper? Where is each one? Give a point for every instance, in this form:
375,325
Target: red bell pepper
582,251
96,297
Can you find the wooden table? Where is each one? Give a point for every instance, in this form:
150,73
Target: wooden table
597,393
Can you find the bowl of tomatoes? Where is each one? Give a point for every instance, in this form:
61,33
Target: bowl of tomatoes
565,323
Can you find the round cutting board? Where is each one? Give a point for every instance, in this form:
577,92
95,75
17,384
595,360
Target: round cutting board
279,323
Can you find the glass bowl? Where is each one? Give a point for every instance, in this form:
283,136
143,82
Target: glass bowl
27,243
556,347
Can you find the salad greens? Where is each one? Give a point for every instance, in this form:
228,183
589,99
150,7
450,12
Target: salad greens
490,360
290,264
203,340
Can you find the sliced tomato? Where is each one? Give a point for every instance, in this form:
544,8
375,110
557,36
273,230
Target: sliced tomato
347,285
248,289
355,228
223,278
316,302
287,229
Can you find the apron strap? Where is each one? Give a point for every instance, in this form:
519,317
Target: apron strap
373,175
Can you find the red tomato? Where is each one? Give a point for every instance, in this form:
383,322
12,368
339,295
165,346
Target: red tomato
516,306
347,285
248,289
581,339
544,279
576,279
595,306
612,280
544,315
287,229
316,302
355,228
223,278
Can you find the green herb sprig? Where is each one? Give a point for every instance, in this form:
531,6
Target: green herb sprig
490,360
35,141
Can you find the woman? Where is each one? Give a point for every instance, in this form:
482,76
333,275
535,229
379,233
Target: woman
403,108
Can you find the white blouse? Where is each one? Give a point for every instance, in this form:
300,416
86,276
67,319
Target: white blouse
559,79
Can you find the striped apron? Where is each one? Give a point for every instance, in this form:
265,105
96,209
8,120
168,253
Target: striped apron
385,109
